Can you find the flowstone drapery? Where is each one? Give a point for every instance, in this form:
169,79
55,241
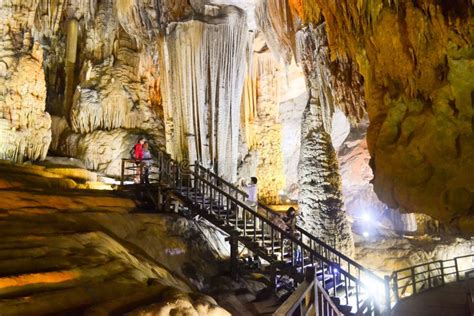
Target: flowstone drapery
203,66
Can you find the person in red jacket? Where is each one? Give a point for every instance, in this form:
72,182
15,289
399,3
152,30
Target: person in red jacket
138,152
138,155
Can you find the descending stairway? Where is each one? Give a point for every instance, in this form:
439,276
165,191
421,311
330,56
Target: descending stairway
353,288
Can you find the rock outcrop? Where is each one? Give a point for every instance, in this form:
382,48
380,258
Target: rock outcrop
70,250
25,127
418,87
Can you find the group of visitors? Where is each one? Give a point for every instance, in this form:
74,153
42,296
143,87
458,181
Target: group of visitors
143,159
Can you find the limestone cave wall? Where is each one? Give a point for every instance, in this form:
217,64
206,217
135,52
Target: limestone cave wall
25,127
416,62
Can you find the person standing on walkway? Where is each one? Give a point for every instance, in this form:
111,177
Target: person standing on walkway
147,163
138,156
252,192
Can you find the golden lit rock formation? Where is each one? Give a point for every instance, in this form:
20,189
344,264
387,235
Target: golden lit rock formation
25,127
65,249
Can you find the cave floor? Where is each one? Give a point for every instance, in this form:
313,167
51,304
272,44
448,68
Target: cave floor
449,300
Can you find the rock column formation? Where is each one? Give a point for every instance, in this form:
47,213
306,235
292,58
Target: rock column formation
203,73
25,127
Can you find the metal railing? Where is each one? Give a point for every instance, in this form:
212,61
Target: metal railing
408,281
310,298
355,277
142,171
213,195
224,204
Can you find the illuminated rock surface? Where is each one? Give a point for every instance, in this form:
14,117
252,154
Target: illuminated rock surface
84,251
418,87
25,127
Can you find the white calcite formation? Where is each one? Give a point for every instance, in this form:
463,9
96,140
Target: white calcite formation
24,124
203,66
260,117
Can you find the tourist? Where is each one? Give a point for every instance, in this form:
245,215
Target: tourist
290,220
137,155
252,192
146,164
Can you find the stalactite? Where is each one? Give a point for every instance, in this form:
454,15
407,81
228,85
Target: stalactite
275,19
203,68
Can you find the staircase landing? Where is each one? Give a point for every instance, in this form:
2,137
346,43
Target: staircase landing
448,300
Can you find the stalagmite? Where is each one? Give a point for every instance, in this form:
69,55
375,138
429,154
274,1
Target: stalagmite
202,117
320,200
321,205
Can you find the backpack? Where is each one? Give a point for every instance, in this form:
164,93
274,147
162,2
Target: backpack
132,152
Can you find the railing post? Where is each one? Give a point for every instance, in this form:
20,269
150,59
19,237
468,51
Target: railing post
234,252
413,280
442,271
122,172
395,286
457,269
388,303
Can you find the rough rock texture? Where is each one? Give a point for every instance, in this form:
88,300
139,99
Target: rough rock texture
390,254
24,125
99,150
203,65
320,187
418,85
291,114
320,200
368,213
260,120
273,100
81,251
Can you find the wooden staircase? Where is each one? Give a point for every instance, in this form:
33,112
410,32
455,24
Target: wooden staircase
353,289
